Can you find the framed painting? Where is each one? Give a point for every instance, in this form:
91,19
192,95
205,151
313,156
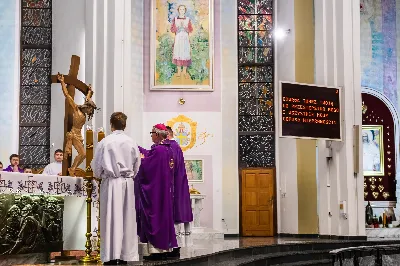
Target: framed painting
194,171
373,150
182,45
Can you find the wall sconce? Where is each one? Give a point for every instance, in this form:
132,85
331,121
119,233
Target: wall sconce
280,34
181,101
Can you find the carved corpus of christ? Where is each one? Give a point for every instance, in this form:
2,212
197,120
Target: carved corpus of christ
74,137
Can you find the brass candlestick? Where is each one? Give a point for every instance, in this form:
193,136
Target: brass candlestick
98,258
89,188
100,136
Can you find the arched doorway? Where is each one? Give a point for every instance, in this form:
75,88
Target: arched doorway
380,149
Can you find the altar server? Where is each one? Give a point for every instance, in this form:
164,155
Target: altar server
55,168
155,190
116,161
182,205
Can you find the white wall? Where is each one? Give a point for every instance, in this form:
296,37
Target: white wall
229,87
9,78
337,35
286,155
68,39
133,93
101,34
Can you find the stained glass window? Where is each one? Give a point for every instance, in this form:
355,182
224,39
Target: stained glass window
35,91
256,83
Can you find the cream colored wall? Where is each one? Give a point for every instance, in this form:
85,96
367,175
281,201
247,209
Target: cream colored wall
306,149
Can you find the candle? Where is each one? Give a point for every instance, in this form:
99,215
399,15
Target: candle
89,151
384,219
100,135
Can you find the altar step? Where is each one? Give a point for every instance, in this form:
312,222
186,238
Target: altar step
292,258
391,233
206,233
198,234
297,253
326,262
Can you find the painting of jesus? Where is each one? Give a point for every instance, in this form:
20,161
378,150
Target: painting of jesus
181,45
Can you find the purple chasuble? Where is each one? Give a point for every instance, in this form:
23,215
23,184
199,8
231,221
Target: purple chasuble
136,187
154,186
11,169
144,151
182,204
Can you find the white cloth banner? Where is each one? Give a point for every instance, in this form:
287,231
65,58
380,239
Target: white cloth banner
74,191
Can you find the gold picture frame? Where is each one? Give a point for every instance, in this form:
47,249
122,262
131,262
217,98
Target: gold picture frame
373,150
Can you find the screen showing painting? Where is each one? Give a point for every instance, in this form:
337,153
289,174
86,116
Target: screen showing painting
310,111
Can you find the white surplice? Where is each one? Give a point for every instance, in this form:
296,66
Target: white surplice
116,161
54,168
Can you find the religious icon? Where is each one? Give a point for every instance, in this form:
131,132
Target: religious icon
182,27
182,45
74,136
185,131
194,171
372,138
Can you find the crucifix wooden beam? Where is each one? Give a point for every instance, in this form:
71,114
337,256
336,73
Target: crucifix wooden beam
73,83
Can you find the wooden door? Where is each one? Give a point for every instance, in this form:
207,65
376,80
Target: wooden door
258,194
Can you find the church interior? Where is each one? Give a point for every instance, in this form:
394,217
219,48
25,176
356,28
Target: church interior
286,111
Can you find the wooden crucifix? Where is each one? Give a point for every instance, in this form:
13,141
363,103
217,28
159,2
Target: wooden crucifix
72,82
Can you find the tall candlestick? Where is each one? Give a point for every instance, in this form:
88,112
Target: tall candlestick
88,245
100,136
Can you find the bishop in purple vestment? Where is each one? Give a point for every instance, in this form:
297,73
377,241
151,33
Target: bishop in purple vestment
154,187
183,214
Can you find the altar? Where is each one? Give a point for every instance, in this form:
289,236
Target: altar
41,213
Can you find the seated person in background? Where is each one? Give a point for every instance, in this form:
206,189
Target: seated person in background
27,170
14,164
1,166
55,168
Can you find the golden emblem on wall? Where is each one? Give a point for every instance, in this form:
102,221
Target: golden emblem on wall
184,130
364,108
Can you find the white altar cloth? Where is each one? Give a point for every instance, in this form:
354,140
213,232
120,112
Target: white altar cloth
74,191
